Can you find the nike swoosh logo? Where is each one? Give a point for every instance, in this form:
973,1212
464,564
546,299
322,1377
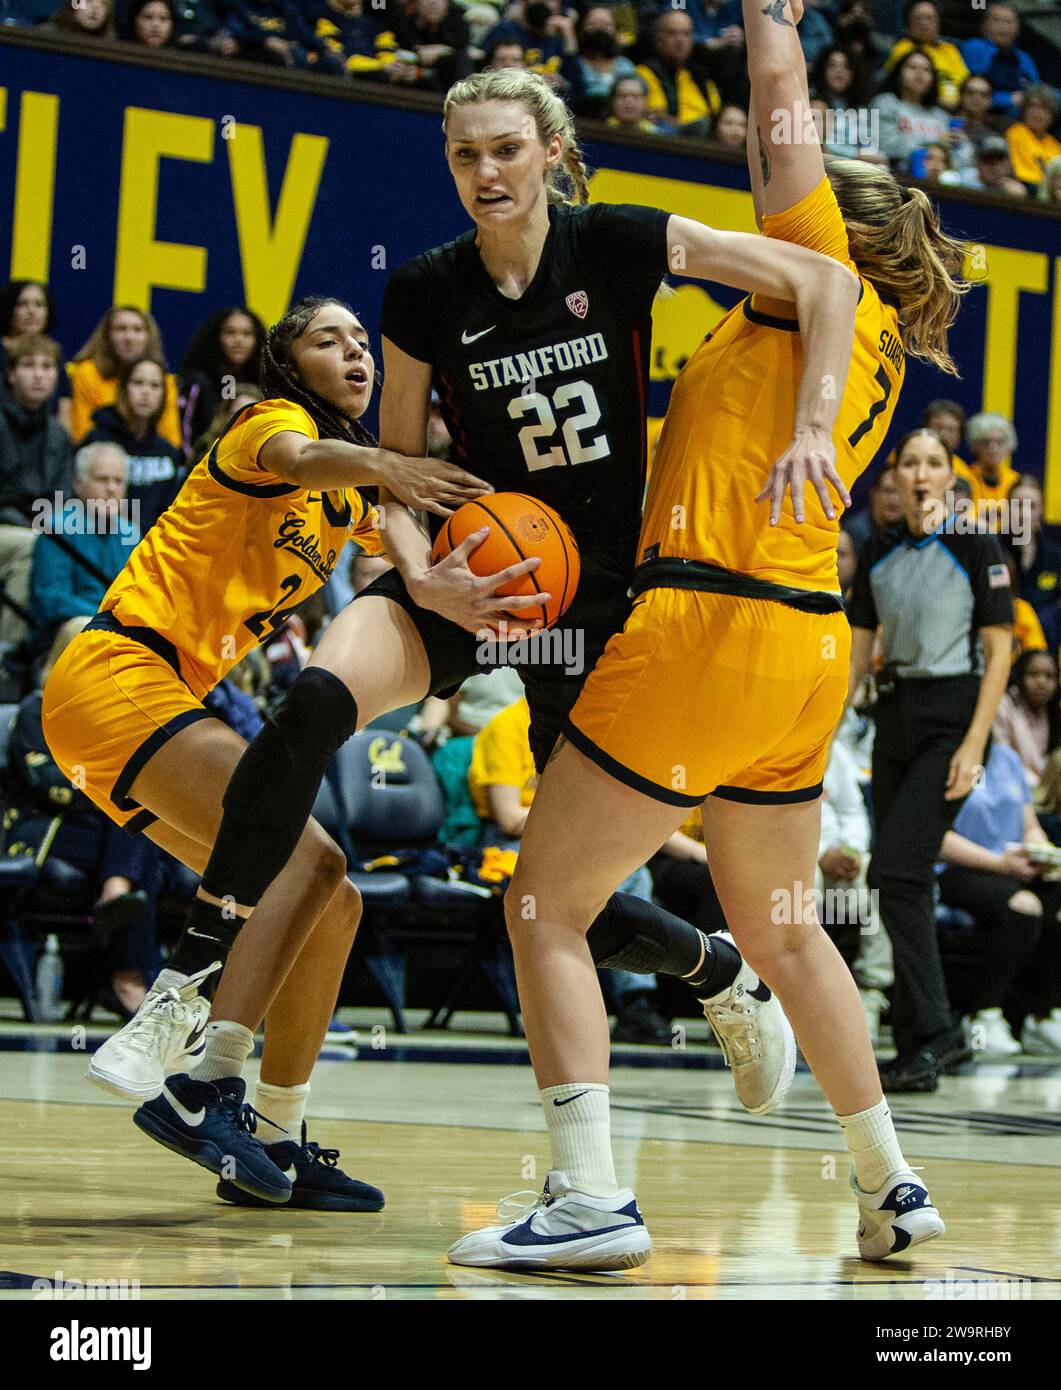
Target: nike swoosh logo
569,1099
194,1036
192,1118
203,936
465,338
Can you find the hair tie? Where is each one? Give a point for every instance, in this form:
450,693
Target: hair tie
904,193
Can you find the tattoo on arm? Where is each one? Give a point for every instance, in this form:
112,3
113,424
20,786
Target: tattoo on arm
764,161
775,11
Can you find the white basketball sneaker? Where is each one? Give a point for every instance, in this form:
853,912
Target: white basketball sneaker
164,1036
755,1037
561,1228
897,1216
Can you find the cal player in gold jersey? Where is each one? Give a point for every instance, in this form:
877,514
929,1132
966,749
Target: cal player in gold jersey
258,526
725,686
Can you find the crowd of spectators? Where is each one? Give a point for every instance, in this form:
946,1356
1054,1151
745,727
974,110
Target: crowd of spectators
108,425
938,94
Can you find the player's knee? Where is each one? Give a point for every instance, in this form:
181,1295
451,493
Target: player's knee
1026,903
347,907
323,858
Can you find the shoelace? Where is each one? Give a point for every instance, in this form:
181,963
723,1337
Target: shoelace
516,1205
156,1013
740,1041
315,1154
246,1118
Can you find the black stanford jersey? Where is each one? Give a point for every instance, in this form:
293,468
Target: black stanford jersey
545,394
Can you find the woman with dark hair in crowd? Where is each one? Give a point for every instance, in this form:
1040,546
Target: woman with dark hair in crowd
258,527
225,348
943,603
86,19
1038,556
124,334
839,80
1029,716
974,105
594,62
910,113
151,23
1006,969
27,308
156,467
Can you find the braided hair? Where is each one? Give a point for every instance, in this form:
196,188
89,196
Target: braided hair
280,378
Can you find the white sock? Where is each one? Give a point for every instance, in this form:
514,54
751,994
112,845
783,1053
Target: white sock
580,1135
284,1106
169,979
874,1147
228,1045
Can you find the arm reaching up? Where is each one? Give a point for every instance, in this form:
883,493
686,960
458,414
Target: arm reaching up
784,154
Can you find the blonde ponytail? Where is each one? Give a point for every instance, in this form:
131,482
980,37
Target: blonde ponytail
897,243
567,181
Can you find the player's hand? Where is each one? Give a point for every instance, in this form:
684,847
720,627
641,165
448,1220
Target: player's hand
471,601
430,484
811,457
966,769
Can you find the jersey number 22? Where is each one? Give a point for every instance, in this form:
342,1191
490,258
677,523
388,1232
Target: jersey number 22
574,449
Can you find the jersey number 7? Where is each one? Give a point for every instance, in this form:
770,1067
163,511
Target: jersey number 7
573,449
884,382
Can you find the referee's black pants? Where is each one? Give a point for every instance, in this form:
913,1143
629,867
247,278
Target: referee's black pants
919,727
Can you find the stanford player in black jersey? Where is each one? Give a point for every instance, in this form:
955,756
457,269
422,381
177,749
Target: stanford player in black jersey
535,330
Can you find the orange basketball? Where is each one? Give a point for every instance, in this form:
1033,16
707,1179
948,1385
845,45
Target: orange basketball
520,527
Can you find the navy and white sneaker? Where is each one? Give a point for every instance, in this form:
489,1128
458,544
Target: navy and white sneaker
562,1228
899,1215
209,1122
317,1181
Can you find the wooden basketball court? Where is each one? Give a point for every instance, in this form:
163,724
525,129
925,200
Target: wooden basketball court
738,1207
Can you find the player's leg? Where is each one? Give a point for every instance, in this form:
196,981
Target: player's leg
586,832
774,921
296,1021
370,660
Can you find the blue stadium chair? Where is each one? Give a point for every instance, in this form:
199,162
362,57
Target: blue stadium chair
390,799
383,894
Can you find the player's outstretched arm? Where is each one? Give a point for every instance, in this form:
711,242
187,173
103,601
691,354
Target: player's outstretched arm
784,155
426,483
826,297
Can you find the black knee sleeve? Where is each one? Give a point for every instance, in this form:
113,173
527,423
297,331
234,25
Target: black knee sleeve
271,794
632,934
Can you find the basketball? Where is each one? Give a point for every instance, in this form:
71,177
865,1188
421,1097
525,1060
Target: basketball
520,527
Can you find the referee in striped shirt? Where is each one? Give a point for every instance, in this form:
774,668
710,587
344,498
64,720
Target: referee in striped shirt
939,592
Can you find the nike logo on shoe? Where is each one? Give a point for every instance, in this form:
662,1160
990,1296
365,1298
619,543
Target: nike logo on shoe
568,1099
467,337
194,1036
190,1117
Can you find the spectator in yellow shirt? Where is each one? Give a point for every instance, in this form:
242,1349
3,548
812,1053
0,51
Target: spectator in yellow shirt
990,476
922,32
123,334
1031,146
679,97
501,775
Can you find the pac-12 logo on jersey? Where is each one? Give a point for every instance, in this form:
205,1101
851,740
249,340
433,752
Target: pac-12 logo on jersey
578,303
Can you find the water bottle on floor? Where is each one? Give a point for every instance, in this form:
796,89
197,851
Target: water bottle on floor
50,980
